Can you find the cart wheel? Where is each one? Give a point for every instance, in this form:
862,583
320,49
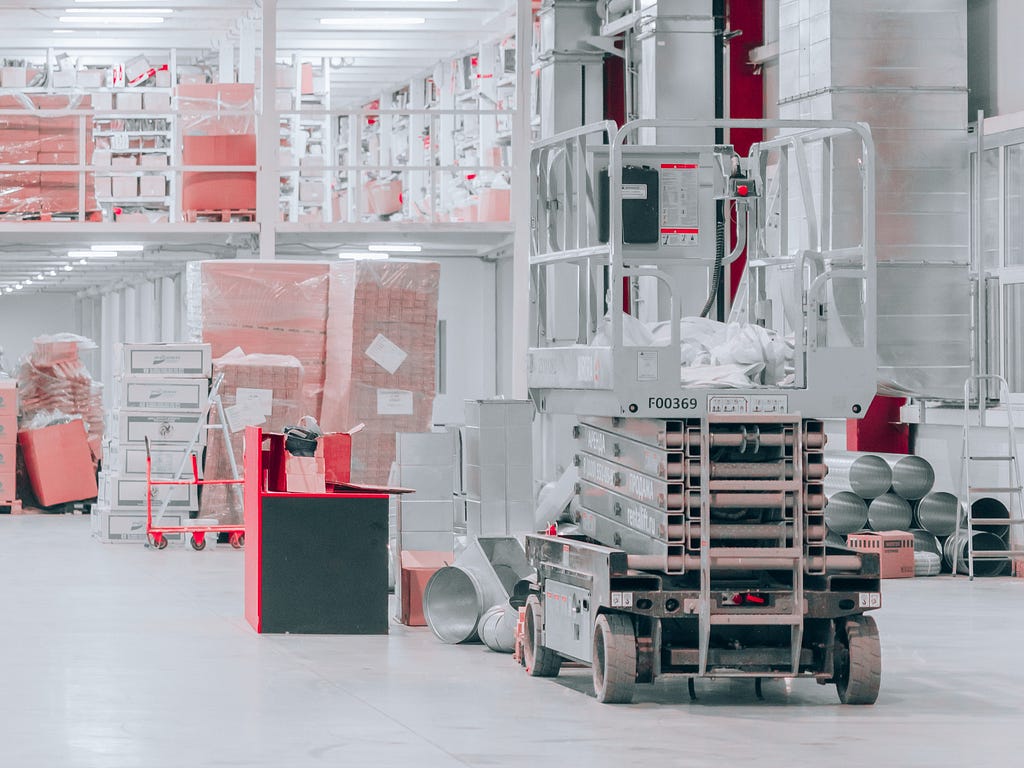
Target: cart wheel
539,661
858,660
237,540
614,664
198,542
157,541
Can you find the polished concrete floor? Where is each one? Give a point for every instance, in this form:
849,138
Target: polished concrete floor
121,657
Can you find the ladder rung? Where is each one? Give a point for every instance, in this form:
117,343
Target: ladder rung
996,489
996,554
992,458
994,521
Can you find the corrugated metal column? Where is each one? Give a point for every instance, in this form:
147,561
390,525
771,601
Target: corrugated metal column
168,310
111,338
145,305
521,199
130,330
267,135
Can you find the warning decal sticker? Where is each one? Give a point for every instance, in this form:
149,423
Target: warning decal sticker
680,206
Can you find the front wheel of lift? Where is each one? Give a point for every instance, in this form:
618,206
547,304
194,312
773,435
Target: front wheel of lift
614,663
539,661
858,660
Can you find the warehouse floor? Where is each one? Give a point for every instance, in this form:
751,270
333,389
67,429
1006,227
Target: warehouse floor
115,655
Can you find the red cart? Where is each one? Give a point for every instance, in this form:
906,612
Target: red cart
157,534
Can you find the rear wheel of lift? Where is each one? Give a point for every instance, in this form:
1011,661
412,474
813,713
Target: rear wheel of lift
614,663
858,660
538,660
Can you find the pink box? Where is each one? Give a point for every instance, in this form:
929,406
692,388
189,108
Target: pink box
59,463
103,187
152,186
124,186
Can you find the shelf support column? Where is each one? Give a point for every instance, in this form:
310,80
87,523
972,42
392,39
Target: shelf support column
267,186
520,198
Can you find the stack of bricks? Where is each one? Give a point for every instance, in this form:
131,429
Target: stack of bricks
54,378
41,131
162,390
270,308
257,390
381,369
8,441
218,128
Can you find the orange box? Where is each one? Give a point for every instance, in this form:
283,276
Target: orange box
8,427
417,568
8,484
8,457
895,550
219,150
8,397
59,463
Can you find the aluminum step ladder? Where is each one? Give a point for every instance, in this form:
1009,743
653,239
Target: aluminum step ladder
791,553
966,520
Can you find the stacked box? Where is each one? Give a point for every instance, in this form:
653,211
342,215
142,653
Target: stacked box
497,467
218,128
381,348
364,330
8,439
257,390
50,133
162,391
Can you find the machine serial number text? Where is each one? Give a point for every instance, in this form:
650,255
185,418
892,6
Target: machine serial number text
679,403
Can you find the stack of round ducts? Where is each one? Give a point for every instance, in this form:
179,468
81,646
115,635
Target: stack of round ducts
912,476
864,474
889,512
936,513
846,512
954,553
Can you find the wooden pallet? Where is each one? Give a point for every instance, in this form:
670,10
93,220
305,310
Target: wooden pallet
49,215
223,215
11,507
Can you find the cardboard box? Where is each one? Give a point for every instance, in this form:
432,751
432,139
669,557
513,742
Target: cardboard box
125,161
8,427
59,463
112,526
417,569
155,101
103,101
9,397
311,192
8,485
8,457
172,359
166,460
92,78
129,494
104,188
895,550
176,427
13,77
124,186
153,160
154,394
128,101
152,186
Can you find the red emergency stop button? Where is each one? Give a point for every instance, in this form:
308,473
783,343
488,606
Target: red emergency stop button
742,190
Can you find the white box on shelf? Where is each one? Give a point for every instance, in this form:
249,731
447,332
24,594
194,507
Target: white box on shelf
124,161
63,78
124,186
166,427
103,186
129,493
163,394
172,359
152,186
311,192
92,78
162,79
13,77
103,101
153,160
156,101
312,164
101,158
128,101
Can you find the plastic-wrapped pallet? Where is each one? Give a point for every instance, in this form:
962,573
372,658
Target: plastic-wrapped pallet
258,390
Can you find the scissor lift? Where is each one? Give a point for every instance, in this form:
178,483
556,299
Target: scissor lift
701,549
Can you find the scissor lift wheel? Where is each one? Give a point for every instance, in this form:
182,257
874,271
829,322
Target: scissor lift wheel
858,661
614,658
539,661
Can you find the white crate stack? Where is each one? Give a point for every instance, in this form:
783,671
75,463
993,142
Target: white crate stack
161,392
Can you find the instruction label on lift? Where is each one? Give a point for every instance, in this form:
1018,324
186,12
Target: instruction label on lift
748,403
680,205
634,191
646,365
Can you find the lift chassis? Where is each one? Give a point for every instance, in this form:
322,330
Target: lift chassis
701,548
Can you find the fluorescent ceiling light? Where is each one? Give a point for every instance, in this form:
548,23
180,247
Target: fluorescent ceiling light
374,22
130,11
121,247
52,273
18,286
40,277
28,282
68,267
83,261
111,20
362,255
83,255
395,248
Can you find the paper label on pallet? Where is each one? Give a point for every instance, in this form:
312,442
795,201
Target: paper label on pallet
394,402
245,414
386,353
870,600
257,398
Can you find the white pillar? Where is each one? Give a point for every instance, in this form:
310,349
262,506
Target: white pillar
168,310
247,52
145,302
226,61
268,135
520,195
131,315
109,344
